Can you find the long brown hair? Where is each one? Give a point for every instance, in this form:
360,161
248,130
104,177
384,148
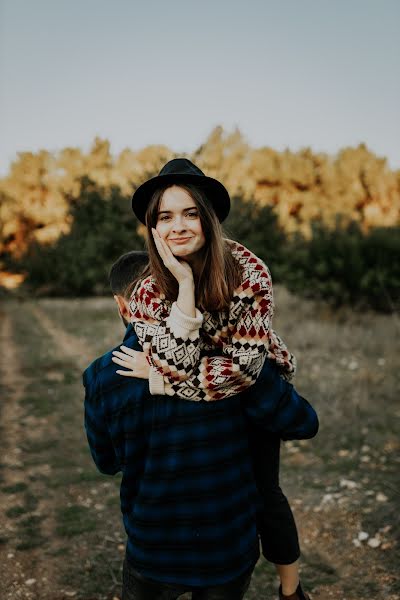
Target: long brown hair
220,272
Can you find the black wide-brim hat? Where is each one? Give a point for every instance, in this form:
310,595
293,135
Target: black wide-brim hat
181,170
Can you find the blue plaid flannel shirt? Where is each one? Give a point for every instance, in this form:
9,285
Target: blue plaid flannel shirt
188,496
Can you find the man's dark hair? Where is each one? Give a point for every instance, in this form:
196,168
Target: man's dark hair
125,270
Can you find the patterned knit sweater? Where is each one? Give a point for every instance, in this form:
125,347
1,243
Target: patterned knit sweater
215,354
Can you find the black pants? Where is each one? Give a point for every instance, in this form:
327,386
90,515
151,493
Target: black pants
276,525
137,587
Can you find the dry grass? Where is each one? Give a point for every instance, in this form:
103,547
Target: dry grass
60,523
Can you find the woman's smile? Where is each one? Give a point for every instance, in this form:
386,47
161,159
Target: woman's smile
182,240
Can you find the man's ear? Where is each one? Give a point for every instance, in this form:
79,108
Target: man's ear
123,306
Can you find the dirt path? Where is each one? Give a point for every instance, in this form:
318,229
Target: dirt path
20,573
43,503
61,535
69,345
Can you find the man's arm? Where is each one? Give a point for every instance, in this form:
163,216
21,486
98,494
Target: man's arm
274,404
97,431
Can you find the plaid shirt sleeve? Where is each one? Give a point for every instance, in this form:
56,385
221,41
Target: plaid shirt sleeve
274,404
98,435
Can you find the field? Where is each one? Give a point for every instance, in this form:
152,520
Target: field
60,528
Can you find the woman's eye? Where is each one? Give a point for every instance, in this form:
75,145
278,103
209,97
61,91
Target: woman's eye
192,215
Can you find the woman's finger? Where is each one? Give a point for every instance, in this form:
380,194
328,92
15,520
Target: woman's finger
123,356
122,362
126,373
166,254
128,350
163,249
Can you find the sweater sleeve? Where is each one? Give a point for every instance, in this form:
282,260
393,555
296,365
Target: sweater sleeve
170,338
243,356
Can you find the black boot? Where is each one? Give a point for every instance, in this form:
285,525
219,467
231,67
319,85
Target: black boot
298,595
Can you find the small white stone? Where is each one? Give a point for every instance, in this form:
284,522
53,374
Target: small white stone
365,458
357,543
327,498
353,365
99,506
381,497
374,542
348,483
343,452
381,361
10,555
365,448
363,535
30,581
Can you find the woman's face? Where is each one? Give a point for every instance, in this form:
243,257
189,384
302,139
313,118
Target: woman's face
178,222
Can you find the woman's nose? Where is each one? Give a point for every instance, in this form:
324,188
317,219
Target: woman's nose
178,224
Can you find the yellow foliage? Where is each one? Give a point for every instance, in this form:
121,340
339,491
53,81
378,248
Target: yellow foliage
302,186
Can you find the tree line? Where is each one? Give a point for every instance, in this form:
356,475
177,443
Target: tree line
302,187
326,226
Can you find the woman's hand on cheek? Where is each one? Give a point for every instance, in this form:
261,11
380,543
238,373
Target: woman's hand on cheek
180,269
134,363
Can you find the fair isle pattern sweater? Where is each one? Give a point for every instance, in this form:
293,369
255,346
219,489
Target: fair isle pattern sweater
182,350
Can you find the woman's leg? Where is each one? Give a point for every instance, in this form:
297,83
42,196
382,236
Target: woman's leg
276,524
289,577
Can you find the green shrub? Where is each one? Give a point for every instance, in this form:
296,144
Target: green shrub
257,228
103,228
341,265
345,266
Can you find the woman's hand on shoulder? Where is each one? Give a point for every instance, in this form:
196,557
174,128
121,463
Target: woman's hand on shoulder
180,269
134,363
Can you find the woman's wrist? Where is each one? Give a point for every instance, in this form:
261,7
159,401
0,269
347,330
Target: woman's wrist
187,283
185,300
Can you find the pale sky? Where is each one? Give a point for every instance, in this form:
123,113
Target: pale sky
288,73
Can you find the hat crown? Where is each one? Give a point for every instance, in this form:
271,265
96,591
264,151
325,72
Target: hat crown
175,172
180,166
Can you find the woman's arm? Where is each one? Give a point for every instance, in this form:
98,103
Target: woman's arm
218,377
241,359
169,337
183,372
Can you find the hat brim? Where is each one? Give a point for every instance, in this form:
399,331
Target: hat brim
217,194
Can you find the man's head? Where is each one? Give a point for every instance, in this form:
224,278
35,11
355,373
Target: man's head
123,273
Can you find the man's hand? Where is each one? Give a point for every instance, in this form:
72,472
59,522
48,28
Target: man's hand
133,361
